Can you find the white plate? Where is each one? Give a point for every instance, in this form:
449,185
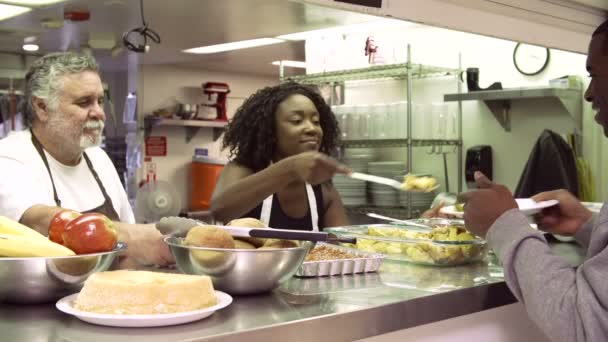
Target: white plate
593,206
526,205
66,305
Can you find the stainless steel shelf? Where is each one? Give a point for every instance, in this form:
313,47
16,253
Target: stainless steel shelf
191,126
499,101
397,143
390,71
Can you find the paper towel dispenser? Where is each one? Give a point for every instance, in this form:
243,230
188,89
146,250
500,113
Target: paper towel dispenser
479,158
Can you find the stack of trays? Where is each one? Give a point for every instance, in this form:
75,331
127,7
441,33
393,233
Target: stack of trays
353,191
420,200
383,195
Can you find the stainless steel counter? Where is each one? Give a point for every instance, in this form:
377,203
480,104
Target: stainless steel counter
343,308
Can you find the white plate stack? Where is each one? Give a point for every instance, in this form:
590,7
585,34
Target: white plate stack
353,191
383,195
420,200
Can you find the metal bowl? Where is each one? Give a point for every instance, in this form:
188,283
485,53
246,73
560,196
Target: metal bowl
239,271
42,280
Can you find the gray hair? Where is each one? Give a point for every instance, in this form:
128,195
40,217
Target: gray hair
44,78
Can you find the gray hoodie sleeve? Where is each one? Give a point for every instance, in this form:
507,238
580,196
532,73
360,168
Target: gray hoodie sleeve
568,304
583,235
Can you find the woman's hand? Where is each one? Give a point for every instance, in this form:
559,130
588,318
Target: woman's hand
315,167
566,217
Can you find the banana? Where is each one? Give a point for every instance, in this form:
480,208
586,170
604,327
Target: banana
26,246
8,226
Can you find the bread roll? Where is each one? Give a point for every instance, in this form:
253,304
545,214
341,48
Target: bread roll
249,222
210,237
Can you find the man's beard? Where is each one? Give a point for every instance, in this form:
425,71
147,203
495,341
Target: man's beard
87,140
63,133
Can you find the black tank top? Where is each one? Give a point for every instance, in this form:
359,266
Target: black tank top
278,218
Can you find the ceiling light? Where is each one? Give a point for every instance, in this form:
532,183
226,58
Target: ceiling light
292,64
30,47
345,29
9,11
31,3
244,44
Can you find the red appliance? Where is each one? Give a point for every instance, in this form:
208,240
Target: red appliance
219,91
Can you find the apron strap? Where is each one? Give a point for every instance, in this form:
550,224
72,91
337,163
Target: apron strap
312,205
266,208
38,147
106,208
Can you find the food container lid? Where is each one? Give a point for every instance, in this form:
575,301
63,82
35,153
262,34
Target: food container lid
208,160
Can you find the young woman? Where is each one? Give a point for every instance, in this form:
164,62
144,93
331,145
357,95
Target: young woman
280,172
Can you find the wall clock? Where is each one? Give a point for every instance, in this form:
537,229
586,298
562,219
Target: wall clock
531,60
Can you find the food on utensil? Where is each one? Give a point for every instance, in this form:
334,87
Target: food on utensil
415,183
323,253
90,233
58,223
18,246
210,237
141,292
249,222
442,245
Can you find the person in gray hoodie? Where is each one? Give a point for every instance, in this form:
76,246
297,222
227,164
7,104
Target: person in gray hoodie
567,303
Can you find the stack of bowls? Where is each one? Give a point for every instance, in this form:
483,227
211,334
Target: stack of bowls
383,195
353,191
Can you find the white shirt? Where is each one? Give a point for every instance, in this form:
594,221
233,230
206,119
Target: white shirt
25,182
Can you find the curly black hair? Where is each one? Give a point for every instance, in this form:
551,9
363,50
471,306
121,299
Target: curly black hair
602,29
251,135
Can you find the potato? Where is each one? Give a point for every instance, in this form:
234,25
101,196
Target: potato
209,236
276,243
239,244
248,222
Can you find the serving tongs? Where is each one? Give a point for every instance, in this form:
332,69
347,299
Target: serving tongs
285,234
179,226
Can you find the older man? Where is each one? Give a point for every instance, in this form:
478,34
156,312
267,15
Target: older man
568,304
57,162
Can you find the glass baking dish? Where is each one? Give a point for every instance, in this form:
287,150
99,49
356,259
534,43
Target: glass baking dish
444,243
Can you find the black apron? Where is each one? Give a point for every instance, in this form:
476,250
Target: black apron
105,208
